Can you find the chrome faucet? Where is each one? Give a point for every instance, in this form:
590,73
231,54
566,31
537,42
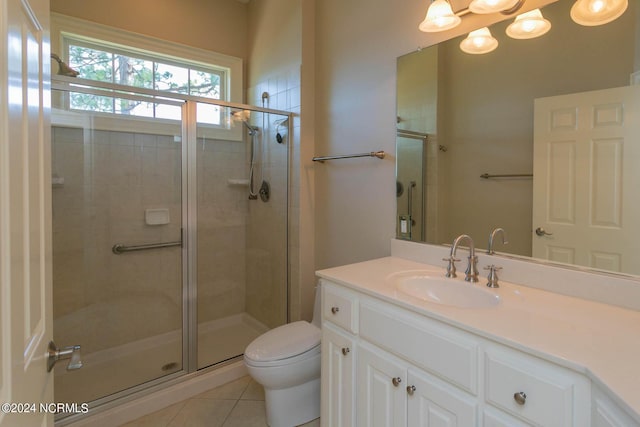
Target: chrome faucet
493,235
471,273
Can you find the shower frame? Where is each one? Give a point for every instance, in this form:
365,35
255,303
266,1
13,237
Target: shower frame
188,103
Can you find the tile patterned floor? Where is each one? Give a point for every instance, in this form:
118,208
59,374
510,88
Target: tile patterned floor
239,403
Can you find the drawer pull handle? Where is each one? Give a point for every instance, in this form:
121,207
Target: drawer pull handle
396,381
520,398
411,389
345,351
335,310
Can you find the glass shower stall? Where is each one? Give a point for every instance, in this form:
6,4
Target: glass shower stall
169,234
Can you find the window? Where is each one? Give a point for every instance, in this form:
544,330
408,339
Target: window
111,55
107,64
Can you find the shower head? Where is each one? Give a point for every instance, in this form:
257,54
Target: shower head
243,116
252,129
63,68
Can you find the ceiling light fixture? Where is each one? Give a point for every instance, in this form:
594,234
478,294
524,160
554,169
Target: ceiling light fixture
440,17
529,25
479,42
491,6
597,12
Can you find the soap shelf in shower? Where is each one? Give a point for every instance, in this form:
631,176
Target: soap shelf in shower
234,182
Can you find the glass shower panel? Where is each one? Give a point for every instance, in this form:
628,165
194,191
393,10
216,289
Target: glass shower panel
242,182
117,180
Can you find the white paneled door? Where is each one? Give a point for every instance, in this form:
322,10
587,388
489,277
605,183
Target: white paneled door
25,214
586,175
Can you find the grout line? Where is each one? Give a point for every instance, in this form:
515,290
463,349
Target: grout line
184,403
229,414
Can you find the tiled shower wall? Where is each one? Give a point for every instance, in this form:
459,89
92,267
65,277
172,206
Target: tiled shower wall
222,228
267,220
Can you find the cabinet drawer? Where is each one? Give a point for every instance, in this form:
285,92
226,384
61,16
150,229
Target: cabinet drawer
340,307
535,390
439,349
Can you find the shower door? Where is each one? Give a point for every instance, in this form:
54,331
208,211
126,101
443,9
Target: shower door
117,233
241,192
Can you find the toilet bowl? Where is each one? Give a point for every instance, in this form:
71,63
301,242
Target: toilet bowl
286,362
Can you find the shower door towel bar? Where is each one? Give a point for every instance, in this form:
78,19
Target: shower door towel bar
509,175
119,248
378,154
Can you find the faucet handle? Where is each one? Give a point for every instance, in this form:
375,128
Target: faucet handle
451,266
493,276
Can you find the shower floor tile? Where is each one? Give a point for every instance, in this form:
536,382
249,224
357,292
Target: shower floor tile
239,403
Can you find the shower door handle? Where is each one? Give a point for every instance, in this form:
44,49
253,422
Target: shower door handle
72,352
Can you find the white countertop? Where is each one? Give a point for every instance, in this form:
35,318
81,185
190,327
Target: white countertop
599,340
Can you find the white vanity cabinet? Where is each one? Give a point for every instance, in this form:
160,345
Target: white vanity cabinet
380,395
338,377
339,325
406,369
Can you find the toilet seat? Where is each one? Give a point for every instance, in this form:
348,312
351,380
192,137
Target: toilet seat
284,345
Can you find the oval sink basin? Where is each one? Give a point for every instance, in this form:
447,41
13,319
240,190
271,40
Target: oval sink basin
446,291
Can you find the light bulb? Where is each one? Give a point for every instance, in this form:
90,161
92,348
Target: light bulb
596,6
491,6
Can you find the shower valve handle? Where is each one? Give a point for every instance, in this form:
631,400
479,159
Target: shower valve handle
72,352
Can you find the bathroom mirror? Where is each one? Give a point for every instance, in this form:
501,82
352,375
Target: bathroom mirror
473,118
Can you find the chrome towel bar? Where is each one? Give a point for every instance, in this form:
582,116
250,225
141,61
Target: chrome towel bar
511,175
378,154
119,248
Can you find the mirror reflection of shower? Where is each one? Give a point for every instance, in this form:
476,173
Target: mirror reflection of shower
243,116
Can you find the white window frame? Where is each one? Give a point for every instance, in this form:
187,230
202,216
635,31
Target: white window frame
63,26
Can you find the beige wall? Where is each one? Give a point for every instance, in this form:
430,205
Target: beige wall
274,38
216,25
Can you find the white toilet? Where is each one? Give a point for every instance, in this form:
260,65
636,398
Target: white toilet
286,361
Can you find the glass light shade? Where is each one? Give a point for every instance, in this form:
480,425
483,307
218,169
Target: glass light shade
529,25
479,41
491,6
439,17
597,12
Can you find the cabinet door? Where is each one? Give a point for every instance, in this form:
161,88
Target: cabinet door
433,403
338,377
494,418
380,388
608,414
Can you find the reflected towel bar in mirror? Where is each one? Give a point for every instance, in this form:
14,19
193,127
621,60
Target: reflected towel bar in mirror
510,175
378,154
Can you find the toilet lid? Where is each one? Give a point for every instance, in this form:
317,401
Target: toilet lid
284,342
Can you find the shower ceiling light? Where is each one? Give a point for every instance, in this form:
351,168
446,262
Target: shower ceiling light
479,41
491,6
529,25
439,17
597,12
